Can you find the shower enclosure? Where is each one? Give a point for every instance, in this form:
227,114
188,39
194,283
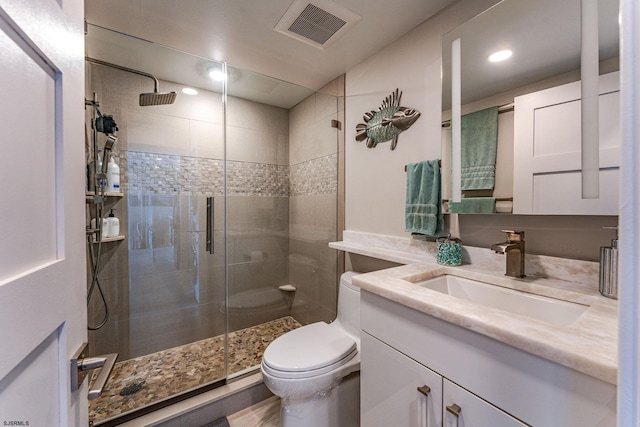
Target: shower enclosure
228,199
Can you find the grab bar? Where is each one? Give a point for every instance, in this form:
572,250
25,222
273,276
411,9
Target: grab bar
210,246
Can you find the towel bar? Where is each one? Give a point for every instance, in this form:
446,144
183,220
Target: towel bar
498,199
506,108
439,164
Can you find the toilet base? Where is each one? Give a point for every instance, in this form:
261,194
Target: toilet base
339,407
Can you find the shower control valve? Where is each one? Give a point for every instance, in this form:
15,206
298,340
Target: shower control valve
106,124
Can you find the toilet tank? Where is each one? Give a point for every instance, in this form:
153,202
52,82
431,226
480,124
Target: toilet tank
349,306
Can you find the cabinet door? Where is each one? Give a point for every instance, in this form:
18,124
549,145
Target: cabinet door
547,151
473,411
389,383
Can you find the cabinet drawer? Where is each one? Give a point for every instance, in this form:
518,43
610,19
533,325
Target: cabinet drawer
389,384
474,412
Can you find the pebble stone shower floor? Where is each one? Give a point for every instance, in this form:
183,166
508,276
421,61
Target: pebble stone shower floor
152,378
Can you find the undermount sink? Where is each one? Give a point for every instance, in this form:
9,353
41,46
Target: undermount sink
550,310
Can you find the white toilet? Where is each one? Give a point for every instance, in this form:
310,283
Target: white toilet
315,369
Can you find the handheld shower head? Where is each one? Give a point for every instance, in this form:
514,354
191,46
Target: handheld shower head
108,146
110,142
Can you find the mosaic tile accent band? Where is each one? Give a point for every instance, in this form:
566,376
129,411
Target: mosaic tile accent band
257,179
317,176
171,174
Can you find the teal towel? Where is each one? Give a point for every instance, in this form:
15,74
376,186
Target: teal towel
477,205
479,145
422,212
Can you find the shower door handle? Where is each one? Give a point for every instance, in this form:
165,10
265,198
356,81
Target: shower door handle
210,247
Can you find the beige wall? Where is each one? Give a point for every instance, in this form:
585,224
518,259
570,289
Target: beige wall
313,203
375,178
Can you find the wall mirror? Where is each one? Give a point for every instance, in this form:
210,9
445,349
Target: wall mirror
544,38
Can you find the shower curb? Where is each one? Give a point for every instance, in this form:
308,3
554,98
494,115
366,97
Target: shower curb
208,406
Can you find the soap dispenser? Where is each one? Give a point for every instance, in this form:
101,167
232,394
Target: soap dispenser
113,225
609,267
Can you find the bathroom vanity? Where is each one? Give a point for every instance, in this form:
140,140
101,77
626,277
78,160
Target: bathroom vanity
535,351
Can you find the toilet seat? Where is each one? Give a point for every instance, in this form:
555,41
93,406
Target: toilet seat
308,351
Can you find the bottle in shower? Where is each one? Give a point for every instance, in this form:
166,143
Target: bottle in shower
113,225
113,176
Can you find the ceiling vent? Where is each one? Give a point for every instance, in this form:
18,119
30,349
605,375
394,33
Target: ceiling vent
317,22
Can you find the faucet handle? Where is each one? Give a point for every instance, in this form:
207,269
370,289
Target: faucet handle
514,236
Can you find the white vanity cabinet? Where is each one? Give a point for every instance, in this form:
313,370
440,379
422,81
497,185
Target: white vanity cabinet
473,411
493,383
398,391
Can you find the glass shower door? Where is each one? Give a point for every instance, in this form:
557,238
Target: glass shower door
282,174
164,291
263,155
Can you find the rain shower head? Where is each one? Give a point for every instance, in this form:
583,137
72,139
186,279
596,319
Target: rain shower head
146,99
155,98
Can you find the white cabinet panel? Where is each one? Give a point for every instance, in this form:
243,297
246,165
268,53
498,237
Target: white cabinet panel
557,127
547,151
474,412
389,384
550,195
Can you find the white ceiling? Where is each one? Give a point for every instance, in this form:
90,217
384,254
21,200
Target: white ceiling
544,36
186,69
241,32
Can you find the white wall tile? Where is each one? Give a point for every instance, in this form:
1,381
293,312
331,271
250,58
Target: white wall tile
154,133
206,139
326,105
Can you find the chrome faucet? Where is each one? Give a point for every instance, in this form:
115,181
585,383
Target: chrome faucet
514,249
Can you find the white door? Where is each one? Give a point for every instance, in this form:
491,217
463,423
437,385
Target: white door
42,253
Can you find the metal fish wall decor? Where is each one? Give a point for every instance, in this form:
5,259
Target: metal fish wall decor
386,123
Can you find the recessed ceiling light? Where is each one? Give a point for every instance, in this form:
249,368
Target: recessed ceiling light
189,91
217,74
500,55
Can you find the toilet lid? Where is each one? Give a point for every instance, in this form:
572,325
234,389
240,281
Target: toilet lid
309,348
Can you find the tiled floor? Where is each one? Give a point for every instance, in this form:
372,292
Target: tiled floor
145,380
263,414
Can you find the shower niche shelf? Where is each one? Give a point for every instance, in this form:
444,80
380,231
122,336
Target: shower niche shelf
89,195
111,239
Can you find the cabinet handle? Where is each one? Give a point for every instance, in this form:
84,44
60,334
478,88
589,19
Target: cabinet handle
455,411
425,390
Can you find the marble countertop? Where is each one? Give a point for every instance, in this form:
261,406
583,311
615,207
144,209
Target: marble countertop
588,344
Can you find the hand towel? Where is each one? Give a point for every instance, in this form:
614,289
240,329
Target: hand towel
504,206
479,146
422,211
477,205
